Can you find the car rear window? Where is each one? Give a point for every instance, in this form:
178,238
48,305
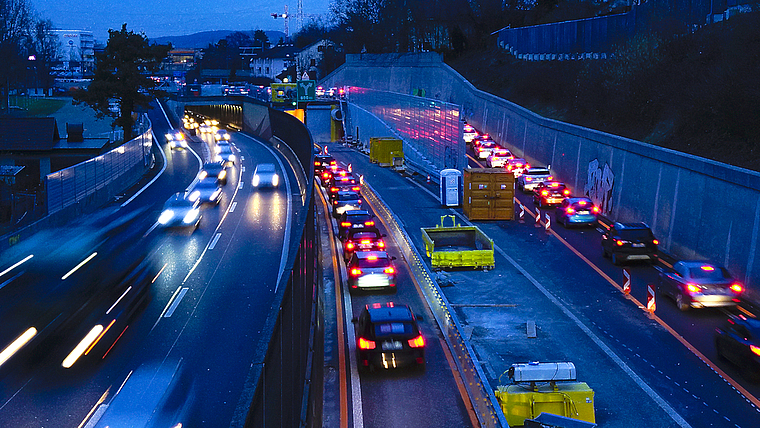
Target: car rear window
357,218
639,234
350,197
366,263
715,274
393,328
364,235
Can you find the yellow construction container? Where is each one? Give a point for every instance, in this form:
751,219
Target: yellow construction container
457,246
488,194
383,150
570,399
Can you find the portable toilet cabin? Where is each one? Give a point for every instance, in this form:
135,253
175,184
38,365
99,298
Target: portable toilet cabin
451,187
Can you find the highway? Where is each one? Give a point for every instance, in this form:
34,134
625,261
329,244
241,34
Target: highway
646,371
208,293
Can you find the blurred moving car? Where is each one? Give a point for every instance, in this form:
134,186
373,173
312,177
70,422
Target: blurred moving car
629,241
738,341
225,155
550,193
354,219
532,177
366,239
371,270
214,170
205,191
322,161
176,140
344,201
699,284
222,135
485,148
576,211
387,336
179,211
516,166
220,144
341,184
265,175
498,158
469,133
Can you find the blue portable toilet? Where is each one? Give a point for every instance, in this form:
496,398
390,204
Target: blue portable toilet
452,187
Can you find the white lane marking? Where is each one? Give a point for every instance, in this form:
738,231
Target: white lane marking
356,388
232,207
17,264
151,229
288,220
214,241
242,158
607,350
242,168
82,263
240,185
175,303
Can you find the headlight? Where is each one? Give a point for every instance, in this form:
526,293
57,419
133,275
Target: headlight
194,196
169,137
275,180
226,136
232,158
222,175
165,216
218,158
217,149
191,216
255,181
202,175
216,194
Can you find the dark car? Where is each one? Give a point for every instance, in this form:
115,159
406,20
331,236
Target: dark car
214,170
367,239
576,211
738,341
341,176
344,201
699,284
387,336
354,219
343,184
371,270
629,241
327,174
321,162
550,193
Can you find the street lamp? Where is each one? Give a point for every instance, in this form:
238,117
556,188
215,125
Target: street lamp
32,59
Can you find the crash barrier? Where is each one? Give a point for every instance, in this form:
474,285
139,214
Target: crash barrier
285,383
482,398
94,181
680,196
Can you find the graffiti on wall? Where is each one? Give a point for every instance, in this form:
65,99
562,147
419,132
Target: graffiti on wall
599,185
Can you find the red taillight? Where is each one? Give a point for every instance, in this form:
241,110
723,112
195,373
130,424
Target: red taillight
544,193
570,210
693,288
619,242
356,188
366,241
389,270
655,242
596,210
417,342
736,288
550,178
316,163
755,349
325,175
335,202
333,190
366,344
369,223
349,245
345,224
360,201
356,271
566,192
381,244
332,162
528,179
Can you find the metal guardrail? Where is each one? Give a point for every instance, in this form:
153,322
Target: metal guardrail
482,398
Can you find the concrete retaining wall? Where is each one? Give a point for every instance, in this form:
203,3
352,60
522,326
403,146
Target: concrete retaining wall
698,208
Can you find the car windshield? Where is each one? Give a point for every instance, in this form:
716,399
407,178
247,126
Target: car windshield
637,234
213,170
225,149
207,184
392,328
265,168
708,272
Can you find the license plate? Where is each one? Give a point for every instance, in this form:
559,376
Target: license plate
365,246
638,257
392,346
638,245
583,212
356,226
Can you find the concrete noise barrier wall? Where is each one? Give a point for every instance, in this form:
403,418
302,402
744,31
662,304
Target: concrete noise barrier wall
697,208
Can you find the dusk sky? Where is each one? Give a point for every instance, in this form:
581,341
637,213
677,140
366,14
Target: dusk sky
172,17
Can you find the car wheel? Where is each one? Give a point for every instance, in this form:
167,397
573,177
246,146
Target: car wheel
681,303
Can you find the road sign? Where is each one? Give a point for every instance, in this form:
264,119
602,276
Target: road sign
627,282
283,92
651,304
307,90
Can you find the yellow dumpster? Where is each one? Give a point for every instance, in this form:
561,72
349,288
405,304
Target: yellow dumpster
457,246
570,399
383,150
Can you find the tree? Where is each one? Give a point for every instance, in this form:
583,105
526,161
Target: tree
121,73
45,47
15,25
261,39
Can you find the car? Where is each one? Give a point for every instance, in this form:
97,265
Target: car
354,219
550,193
576,211
340,175
341,184
205,191
327,174
265,175
344,201
320,91
516,166
220,144
498,158
469,133
222,135
366,239
322,161
204,128
532,177
176,140
371,270
629,241
738,341
388,337
179,211
484,149
479,139
699,284
225,155
214,170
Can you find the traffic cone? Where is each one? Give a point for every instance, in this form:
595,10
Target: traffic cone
428,179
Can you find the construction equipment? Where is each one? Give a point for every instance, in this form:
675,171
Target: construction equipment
458,246
383,150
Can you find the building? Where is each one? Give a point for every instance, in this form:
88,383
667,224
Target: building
309,58
76,51
271,63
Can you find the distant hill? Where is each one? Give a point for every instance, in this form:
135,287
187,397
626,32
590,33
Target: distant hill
203,39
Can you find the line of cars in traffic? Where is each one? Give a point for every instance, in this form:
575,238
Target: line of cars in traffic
387,334
689,283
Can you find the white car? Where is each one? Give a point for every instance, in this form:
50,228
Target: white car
265,176
225,155
499,158
176,140
532,177
222,135
180,212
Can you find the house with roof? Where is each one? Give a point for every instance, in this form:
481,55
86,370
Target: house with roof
271,63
